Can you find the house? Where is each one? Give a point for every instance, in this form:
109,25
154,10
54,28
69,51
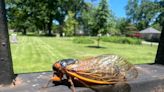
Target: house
150,34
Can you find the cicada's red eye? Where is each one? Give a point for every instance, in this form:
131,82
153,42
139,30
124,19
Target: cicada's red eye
57,65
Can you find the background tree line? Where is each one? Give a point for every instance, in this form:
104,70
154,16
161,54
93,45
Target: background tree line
67,16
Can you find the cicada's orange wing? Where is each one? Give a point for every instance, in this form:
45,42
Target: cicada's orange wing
104,69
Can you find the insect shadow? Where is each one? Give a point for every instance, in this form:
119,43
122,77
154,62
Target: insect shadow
66,83
118,87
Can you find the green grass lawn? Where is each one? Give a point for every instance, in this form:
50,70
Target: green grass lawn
34,54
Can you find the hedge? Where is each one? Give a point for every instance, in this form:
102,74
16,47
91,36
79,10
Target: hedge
83,40
123,40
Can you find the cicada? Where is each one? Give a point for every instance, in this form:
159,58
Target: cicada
103,69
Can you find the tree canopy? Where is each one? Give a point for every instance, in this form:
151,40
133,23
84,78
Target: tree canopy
144,13
102,15
41,13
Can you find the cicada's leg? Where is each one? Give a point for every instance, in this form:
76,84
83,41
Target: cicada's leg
54,73
71,82
14,82
48,83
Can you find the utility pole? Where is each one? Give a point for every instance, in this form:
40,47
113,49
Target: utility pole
6,66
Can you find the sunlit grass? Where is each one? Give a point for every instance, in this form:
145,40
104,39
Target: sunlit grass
34,54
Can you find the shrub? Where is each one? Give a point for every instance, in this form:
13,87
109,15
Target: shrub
124,40
83,40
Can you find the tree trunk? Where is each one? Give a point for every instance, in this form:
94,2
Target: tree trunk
24,32
160,52
44,28
6,66
50,26
61,28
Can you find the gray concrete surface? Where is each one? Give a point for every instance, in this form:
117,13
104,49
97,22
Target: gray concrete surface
150,79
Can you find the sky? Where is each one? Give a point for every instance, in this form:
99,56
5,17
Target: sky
117,6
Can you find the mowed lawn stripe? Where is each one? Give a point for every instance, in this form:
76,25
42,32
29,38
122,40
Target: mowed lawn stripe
53,50
30,55
134,53
69,49
34,54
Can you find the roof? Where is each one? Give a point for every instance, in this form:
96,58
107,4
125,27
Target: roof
150,30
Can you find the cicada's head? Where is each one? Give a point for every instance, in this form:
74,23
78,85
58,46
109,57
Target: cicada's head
59,68
60,65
